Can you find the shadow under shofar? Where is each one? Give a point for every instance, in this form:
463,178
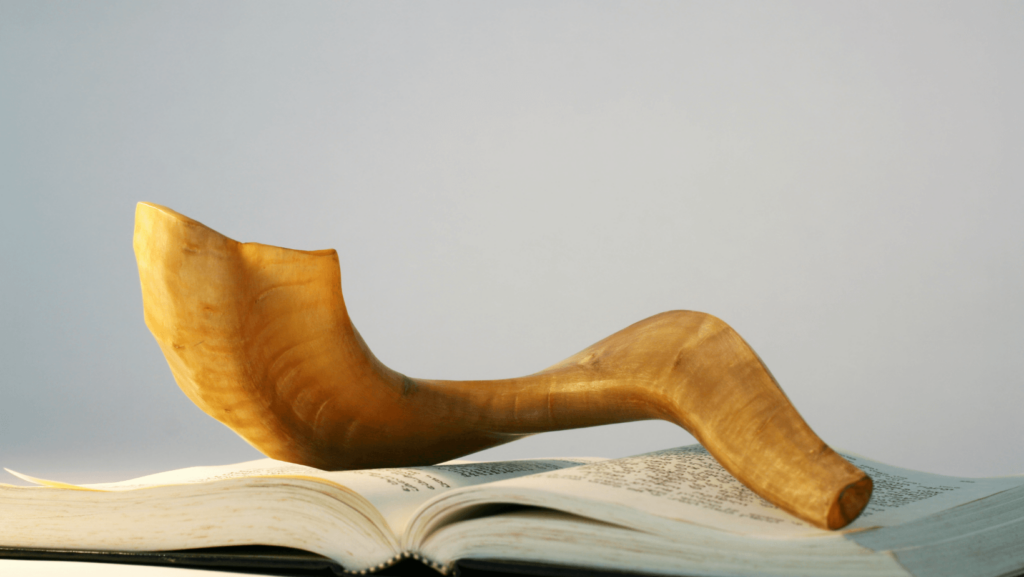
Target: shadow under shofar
259,337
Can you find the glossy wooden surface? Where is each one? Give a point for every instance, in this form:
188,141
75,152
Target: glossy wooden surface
259,338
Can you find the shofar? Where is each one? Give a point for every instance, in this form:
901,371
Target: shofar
259,337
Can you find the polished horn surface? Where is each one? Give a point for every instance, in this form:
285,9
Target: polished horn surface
259,338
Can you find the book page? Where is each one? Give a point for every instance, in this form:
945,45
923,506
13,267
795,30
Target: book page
902,495
396,493
652,491
656,491
689,484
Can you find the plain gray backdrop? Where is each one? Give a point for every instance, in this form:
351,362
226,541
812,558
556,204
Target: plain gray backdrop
508,183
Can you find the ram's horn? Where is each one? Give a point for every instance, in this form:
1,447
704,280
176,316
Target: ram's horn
259,338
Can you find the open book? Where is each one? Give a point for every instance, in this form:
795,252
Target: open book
675,511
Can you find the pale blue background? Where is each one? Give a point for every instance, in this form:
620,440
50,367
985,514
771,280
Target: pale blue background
508,183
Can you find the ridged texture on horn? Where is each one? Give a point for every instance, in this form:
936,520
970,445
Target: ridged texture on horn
259,338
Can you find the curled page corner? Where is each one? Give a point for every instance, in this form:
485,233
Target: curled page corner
46,482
